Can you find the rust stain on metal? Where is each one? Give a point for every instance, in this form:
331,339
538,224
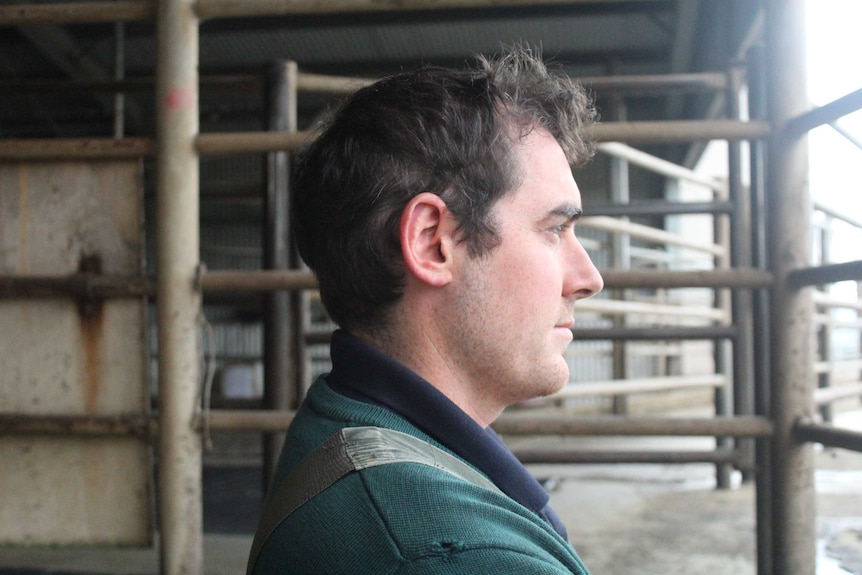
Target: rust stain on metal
91,314
22,219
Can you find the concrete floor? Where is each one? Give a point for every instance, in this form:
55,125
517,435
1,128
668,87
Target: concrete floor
622,519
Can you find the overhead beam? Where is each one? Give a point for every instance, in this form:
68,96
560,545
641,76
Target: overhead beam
141,10
234,8
77,12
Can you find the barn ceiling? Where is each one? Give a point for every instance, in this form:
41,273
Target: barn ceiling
49,72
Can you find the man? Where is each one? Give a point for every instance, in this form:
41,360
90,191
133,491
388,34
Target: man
437,210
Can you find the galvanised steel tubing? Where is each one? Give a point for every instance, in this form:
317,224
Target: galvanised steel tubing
659,165
713,332
722,278
655,83
78,285
640,132
279,351
77,12
236,8
838,215
740,256
825,274
178,301
251,142
140,426
649,233
847,135
825,396
267,280
792,354
659,208
825,114
260,280
827,435
306,82
679,131
246,420
563,456
528,424
760,309
76,149
310,82
627,386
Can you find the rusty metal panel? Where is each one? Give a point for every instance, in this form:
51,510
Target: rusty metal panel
67,357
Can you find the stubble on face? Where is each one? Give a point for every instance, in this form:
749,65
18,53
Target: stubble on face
496,355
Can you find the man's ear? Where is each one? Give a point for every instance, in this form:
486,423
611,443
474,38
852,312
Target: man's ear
426,234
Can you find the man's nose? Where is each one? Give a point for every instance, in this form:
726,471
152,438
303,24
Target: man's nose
583,278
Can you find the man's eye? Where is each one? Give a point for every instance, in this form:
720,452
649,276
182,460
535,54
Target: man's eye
560,229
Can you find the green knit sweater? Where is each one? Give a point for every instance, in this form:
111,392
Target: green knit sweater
402,518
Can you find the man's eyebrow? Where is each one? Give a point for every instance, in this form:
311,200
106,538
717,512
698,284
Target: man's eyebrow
570,212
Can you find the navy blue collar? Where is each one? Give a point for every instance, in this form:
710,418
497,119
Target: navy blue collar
361,372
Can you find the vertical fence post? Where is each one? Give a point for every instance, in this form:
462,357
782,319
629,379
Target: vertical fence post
179,302
760,310
621,258
740,256
792,309
280,361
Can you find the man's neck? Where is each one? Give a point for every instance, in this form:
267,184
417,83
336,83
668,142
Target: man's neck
418,350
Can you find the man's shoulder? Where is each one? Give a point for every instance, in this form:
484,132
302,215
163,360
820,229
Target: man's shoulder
400,517
412,518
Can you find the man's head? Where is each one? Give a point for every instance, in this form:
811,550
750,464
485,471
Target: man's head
454,134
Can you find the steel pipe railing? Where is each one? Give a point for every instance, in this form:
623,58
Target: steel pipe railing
330,84
273,421
625,307
618,226
310,82
563,456
178,303
78,12
825,114
136,425
838,215
722,278
642,132
660,208
637,385
76,149
259,142
78,285
824,300
100,286
260,280
651,333
528,424
679,131
792,462
827,435
712,332
251,142
238,8
659,165
827,395
825,274
653,83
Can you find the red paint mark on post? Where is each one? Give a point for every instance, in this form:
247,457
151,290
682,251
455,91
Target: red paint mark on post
180,98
